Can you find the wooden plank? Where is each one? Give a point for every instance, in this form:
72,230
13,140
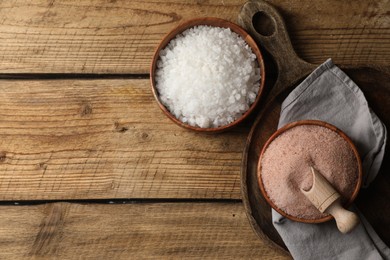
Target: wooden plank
355,34
120,36
90,139
131,231
93,37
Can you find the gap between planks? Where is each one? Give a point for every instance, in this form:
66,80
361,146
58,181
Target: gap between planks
117,201
60,76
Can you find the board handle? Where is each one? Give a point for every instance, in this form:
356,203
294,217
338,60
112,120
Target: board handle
276,41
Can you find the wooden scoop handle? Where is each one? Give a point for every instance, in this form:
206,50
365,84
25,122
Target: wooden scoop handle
346,220
326,199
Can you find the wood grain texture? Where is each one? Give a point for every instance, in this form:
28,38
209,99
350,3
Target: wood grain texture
120,36
353,34
93,36
130,231
90,139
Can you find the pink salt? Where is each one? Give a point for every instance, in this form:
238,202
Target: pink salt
285,167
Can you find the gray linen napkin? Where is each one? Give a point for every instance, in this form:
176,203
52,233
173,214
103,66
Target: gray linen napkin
328,94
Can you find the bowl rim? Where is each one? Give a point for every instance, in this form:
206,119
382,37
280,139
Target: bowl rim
216,22
316,123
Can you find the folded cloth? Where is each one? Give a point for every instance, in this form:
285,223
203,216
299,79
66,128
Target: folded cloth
329,95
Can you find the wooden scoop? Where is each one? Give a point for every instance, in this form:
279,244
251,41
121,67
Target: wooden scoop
326,199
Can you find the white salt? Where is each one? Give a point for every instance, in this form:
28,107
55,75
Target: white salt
207,76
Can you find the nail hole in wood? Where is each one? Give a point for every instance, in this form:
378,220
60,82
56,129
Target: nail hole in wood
120,127
3,156
86,109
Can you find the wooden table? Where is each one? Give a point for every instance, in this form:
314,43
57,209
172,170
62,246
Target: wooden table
91,168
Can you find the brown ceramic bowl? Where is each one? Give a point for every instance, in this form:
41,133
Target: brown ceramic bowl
216,22
317,123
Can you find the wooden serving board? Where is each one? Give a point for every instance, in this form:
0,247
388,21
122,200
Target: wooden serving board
375,84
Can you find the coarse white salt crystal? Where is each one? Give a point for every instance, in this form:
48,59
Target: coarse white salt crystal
207,76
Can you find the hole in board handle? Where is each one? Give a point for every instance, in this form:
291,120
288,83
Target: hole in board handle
263,24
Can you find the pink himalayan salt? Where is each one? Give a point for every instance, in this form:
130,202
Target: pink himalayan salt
285,167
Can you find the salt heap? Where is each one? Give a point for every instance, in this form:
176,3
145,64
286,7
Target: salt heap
207,76
285,168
